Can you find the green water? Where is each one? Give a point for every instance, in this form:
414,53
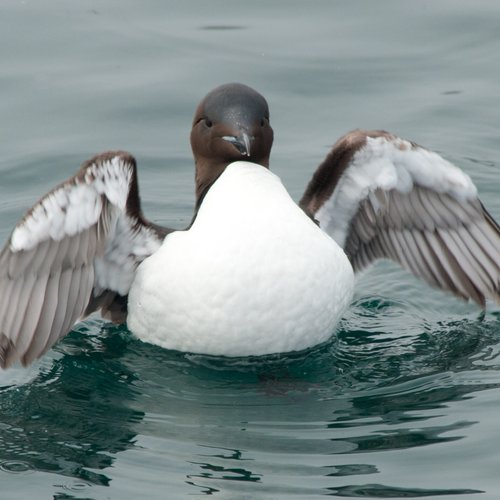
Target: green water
403,402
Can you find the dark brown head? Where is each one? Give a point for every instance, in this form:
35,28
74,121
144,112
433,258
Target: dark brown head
230,124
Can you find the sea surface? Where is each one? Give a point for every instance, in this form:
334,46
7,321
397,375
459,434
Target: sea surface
403,402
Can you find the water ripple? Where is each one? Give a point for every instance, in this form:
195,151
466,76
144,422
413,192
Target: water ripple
16,467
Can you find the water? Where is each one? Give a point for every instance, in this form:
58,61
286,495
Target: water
403,402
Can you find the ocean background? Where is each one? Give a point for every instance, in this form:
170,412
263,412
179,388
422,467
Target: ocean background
403,402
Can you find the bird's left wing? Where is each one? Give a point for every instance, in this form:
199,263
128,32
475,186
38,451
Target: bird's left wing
379,196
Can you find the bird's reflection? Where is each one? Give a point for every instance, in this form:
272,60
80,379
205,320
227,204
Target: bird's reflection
75,416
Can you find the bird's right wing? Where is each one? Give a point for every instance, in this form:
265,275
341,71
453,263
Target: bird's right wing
75,251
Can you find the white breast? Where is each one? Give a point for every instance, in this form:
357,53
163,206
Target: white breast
252,276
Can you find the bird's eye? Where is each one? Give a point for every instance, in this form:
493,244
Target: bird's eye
208,122
263,122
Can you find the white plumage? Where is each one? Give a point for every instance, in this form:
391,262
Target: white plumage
253,275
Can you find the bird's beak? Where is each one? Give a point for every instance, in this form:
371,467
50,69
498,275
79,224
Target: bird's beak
241,142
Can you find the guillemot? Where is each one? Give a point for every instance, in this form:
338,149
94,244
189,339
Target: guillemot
254,273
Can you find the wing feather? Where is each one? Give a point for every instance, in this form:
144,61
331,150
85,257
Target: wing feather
478,267
474,247
73,288
32,315
12,310
488,240
420,266
380,196
60,312
447,264
20,303
45,322
441,279
423,220
63,293
6,286
469,268
398,244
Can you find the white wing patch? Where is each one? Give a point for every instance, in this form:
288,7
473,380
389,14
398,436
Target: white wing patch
388,164
115,270
75,206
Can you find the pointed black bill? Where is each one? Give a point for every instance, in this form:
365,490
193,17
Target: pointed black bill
241,143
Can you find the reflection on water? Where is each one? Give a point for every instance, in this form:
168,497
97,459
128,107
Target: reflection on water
381,491
74,417
316,421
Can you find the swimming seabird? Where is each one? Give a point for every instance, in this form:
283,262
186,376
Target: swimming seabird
254,273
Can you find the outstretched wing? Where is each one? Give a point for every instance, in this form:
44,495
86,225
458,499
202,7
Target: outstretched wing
75,251
380,196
